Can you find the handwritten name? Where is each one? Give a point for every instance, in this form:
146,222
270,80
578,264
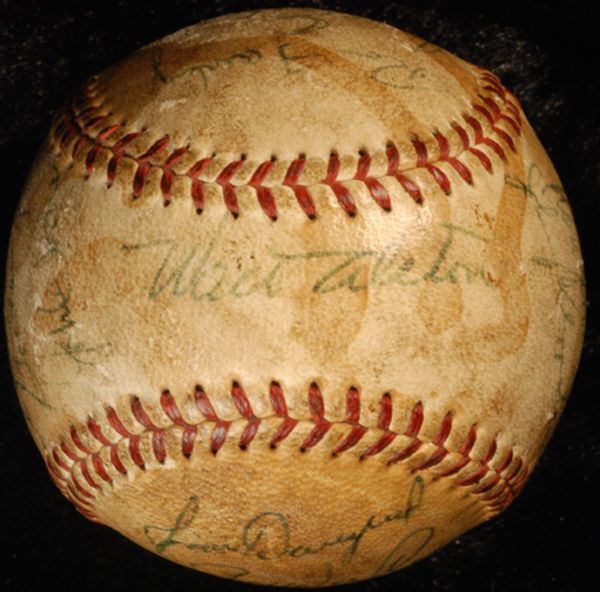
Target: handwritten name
203,272
551,207
383,69
268,535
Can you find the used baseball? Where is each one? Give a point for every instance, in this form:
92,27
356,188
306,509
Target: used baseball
293,297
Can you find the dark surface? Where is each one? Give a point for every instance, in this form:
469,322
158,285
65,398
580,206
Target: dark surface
546,55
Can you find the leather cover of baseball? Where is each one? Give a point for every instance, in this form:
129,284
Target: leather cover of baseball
293,297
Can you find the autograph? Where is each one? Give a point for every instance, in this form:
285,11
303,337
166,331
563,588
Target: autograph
199,272
268,536
290,30
551,208
55,312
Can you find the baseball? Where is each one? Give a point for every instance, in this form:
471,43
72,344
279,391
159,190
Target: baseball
293,298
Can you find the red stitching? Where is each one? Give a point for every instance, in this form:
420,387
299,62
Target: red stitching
116,460
91,131
100,468
68,452
423,161
141,415
79,468
77,441
499,115
197,184
457,165
244,408
118,151
481,138
412,431
493,85
409,186
300,191
492,451
482,156
493,116
341,191
134,450
317,413
464,451
87,476
158,446
376,189
280,408
96,432
58,460
438,455
168,176
264,194
352,418
224,180
115,422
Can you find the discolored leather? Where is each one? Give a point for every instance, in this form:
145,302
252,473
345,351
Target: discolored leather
293,297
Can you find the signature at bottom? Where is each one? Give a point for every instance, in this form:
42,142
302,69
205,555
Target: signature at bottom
268,536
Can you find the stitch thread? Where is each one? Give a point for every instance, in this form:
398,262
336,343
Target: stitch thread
79,470
85,124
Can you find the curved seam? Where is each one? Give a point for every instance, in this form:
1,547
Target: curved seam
75,125
80,470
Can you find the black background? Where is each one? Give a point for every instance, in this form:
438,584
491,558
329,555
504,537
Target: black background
546,54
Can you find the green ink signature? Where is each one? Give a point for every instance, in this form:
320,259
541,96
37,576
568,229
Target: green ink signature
312,24
57,315
50,219
28,381
293,60
201,275
205,70
268,535
393,266
62,323
550,203
200,272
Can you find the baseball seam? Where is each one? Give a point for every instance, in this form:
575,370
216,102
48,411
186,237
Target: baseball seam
82,463
86,128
